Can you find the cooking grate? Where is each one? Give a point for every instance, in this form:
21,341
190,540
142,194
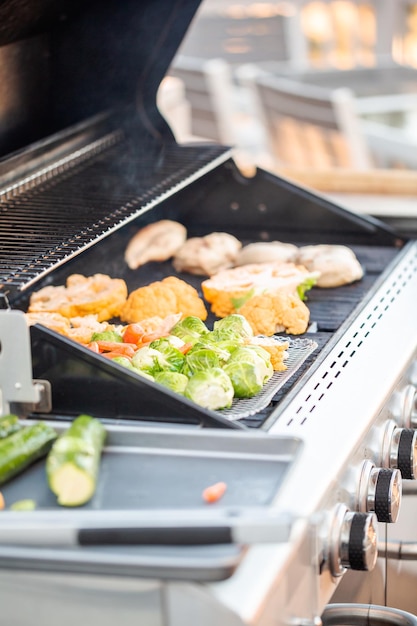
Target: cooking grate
45,225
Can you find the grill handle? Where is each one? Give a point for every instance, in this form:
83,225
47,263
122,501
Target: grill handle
366,615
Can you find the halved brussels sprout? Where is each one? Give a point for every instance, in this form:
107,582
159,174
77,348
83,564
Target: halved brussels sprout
211,389
257,356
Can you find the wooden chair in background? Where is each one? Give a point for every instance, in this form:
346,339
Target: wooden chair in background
307,126
209,91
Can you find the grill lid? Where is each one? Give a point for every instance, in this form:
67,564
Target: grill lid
62,62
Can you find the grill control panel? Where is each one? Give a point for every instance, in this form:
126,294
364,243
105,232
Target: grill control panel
370,490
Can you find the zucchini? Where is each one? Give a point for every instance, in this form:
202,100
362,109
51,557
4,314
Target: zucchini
73,462
23,447
9,424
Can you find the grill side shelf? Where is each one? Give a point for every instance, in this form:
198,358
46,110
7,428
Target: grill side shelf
85,382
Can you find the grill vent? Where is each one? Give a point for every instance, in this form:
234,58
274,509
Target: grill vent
354,340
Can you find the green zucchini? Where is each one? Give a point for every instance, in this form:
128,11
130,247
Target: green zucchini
9,424
73,462
23,447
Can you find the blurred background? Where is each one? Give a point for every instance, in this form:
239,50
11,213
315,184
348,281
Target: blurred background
321,91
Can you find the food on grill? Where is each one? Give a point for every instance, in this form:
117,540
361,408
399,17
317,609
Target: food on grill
268,295
204,256
266,252
9,424
158,241
277,351
172,380
190,329
24,447
191,350
162,298
337,264
2,502
249,368
211,389
277,312
213,493
82,295
73,462
77,328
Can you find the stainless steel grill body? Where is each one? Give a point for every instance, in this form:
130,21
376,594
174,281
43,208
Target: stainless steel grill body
86,159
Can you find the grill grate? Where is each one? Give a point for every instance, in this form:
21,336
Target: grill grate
44,226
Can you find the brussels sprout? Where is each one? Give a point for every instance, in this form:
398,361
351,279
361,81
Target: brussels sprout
211,389
247,378
190,329
222,347
123,360
199,359
171,358
147,359
107,335
173,380
257,356
232,327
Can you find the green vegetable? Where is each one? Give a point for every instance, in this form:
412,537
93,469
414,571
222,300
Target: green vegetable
107,335
245,377
173,380
23,505
171,358
233,327
123,360
147,360
305,286
190,329
200,359
211,389
73,463
239,302
9,424
257,356
23,447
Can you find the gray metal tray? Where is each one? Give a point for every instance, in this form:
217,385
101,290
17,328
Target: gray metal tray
153,474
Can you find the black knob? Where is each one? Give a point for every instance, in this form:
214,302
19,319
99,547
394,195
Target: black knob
358,541
385,498
404,452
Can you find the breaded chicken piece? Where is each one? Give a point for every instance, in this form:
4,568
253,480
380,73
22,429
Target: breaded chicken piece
162,298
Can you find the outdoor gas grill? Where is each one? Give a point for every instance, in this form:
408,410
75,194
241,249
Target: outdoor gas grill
314,477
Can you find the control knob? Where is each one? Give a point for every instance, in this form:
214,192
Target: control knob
353,542
380,492
400,450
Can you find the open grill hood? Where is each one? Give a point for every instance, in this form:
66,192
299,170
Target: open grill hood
86,159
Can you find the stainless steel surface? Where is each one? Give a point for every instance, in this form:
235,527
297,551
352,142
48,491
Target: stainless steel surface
366,614
17,388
